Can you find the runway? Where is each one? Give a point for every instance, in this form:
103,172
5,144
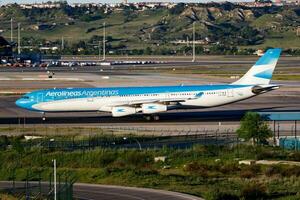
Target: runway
23,80
83,191
164,62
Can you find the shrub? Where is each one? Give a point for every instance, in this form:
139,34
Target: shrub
145,171
291,171
254,191
137,158
247,174
220,195
294,156
106,158
197,168
229,168
3,141
250,171
225,196
272,170
17,145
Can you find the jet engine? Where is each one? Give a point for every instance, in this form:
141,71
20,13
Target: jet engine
121,111
150,108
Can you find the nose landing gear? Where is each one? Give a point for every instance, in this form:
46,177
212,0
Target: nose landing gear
44,116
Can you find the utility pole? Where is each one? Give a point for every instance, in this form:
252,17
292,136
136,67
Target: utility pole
99,49
11,30
194,58
54,178
19,39
104,40
62,43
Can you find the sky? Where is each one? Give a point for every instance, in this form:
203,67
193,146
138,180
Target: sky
2,2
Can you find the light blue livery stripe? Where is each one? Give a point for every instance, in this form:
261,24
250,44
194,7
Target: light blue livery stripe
267,74
100,92
269,57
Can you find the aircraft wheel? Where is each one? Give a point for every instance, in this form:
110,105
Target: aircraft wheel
148,117
155,117
44,117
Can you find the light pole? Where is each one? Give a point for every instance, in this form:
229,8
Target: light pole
62,43
54,178
99,48
19,39
140,146
11,30
104,38
194,57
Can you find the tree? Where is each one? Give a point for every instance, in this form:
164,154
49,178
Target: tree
254,127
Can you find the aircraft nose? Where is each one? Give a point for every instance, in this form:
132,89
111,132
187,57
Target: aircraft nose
22,103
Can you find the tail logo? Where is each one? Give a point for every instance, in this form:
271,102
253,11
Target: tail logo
267,74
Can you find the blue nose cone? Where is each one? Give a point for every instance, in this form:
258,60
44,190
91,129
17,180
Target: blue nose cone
21,103
24,103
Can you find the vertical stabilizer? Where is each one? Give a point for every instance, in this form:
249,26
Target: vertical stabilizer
261,73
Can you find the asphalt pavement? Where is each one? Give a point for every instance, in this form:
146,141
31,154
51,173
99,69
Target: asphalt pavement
82,191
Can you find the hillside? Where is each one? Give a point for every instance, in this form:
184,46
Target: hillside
219,27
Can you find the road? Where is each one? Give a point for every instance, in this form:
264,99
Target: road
105,192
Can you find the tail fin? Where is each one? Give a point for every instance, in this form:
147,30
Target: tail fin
262,71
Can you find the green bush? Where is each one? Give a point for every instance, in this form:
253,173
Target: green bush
272,170
254,191
136,158
107,158
197,169
291,171
250,171
229,168
247,174
225,196
3,141
295,156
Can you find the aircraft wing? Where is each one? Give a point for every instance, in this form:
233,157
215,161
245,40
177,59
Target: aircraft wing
139,102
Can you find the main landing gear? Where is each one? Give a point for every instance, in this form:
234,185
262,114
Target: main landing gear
151,117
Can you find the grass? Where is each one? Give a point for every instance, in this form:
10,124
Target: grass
284,39
286,77
7,197
135,33
228,74
207,171
13,130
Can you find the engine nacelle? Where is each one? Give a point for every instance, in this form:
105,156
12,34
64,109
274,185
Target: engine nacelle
123,111
150,108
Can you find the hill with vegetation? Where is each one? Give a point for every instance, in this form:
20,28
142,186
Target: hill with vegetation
220,28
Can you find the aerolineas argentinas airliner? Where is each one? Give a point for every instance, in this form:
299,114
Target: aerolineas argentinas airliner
123,101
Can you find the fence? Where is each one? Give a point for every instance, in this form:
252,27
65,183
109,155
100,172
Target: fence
131,141
33,187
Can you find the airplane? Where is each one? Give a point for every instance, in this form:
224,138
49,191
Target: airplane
124,101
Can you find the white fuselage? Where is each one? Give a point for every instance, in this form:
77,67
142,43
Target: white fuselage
209,98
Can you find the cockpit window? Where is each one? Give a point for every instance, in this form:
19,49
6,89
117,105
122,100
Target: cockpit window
25,97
